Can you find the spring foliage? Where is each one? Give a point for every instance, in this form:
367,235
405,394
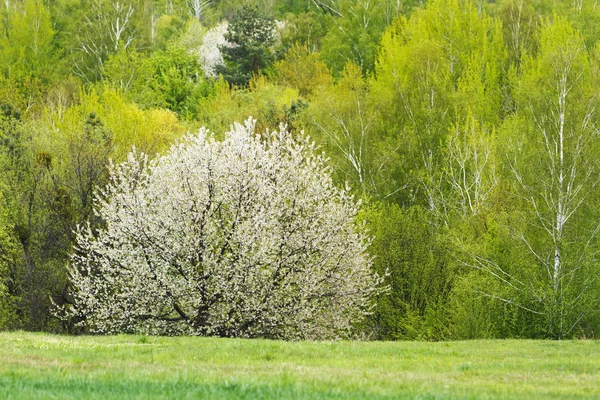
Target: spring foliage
244,237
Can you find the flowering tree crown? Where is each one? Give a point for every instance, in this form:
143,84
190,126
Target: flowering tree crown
245,237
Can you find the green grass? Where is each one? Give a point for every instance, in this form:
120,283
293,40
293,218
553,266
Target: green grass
61,367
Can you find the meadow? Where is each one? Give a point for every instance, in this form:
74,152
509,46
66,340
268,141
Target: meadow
36,365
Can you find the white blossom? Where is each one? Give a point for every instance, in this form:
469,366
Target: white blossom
209,52
244,237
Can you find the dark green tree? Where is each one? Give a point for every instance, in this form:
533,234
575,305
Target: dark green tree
250,38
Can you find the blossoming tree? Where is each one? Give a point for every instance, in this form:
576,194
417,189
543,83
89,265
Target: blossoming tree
245,237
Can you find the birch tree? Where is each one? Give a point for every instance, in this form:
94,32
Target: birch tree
467,178
433,71
519,23
344,121
246,237
464,184
198,8
107,27
551,161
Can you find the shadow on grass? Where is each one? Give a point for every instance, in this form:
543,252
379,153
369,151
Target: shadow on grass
18,387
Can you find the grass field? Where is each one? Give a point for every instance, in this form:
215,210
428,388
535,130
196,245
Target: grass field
47,366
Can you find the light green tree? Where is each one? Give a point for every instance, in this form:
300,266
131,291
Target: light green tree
551,162
434,72
26,43
344,119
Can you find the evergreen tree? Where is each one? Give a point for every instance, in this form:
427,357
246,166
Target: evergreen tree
250,37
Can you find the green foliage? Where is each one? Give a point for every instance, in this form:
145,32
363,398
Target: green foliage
191,37
344,118
269,103
293,7
8,258
519,25
250,38
303,71
306,29
355,34
180,81
433,70
411,252
104,29
165,28
150,130
27,282
171,79
27,55
26,43
551,150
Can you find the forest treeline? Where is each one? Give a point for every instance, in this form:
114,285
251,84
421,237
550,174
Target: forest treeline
469,129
